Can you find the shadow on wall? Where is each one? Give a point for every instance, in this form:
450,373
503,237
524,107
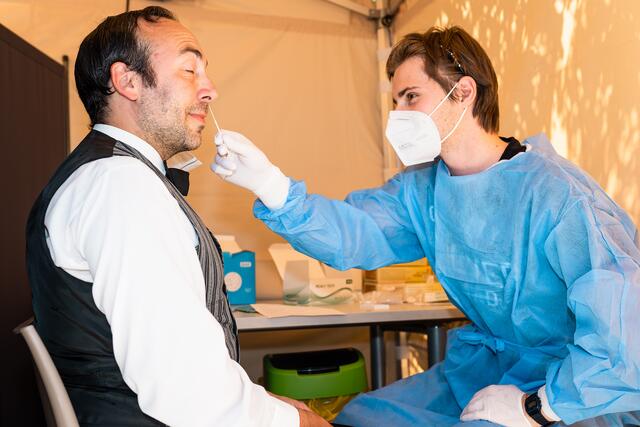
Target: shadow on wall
569,68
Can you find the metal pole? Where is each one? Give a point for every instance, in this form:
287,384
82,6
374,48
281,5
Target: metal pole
391,163
376,337
436,343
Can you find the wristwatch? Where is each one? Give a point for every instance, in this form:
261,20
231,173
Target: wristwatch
533,407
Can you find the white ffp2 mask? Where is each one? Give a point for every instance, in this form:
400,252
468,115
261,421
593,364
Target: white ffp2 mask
414,135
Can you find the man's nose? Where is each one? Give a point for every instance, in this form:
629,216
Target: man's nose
207,91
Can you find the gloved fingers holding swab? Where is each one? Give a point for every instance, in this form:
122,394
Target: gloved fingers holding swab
222,148
221,171
229,162
247,166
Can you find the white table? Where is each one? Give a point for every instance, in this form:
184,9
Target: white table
398,317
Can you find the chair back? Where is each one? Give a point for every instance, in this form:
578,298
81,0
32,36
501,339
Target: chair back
58,409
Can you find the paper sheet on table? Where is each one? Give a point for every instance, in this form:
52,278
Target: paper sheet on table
283,310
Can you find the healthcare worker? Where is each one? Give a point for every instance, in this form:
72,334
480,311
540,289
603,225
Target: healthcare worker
542,262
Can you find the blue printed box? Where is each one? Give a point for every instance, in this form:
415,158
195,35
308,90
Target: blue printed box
240,276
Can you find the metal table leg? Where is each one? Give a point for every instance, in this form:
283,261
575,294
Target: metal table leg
376,337
436,343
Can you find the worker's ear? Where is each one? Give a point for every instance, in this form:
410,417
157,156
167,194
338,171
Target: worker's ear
125,81
466,91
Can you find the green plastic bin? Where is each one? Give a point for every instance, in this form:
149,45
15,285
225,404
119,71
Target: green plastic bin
325,380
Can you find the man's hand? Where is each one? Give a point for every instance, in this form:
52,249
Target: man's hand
311,419
500,404
295,403
240,162
308,418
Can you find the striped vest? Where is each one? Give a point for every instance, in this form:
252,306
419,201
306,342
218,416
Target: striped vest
75,332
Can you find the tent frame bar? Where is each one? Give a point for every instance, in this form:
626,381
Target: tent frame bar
385,15
357,8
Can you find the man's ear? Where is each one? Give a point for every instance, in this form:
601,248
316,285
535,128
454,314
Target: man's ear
466,91
124,81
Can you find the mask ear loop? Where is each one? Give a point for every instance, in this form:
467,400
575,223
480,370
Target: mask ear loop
456,125
443,99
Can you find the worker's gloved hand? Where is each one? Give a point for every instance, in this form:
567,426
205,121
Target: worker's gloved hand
500,404
242,163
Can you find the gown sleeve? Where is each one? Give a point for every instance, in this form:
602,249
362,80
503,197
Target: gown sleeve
599,260
369,229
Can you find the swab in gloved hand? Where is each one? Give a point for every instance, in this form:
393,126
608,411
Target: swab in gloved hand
247,166
221,146
224,165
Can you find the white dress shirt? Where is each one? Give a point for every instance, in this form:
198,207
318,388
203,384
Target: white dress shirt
113,223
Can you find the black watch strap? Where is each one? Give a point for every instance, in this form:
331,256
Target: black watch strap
533,407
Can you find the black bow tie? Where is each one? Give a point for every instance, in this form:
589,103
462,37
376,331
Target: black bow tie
179,179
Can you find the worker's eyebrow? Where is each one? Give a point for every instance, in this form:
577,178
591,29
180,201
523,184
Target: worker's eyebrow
402,92
405,90
193,50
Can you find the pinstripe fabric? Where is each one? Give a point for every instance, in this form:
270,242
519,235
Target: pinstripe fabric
208,253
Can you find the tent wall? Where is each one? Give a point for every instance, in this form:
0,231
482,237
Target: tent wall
569,68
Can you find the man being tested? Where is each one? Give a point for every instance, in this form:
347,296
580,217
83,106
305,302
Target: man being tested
544,264
127,280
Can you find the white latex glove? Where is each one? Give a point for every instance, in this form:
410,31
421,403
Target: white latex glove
500,404
242,163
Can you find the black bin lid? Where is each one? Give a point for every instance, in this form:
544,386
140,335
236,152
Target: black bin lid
315,362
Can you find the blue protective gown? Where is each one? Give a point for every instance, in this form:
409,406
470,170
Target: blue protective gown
544,264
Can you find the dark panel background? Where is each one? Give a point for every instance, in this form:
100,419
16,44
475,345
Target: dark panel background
34,128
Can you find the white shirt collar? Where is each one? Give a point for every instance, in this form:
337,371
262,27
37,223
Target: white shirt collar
133,141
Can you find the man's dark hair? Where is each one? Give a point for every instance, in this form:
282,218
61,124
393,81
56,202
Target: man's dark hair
448,55
114,40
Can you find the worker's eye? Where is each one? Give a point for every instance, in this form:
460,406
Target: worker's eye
411,96
189,71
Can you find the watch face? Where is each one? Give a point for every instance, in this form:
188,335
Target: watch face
532,403
533,407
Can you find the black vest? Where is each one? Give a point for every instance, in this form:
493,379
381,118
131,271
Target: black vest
74,331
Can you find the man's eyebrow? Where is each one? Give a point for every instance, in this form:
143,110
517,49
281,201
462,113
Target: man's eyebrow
193,50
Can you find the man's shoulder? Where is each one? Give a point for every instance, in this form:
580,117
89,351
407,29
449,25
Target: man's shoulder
552,172
113,169
556,184
546,163
117,176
